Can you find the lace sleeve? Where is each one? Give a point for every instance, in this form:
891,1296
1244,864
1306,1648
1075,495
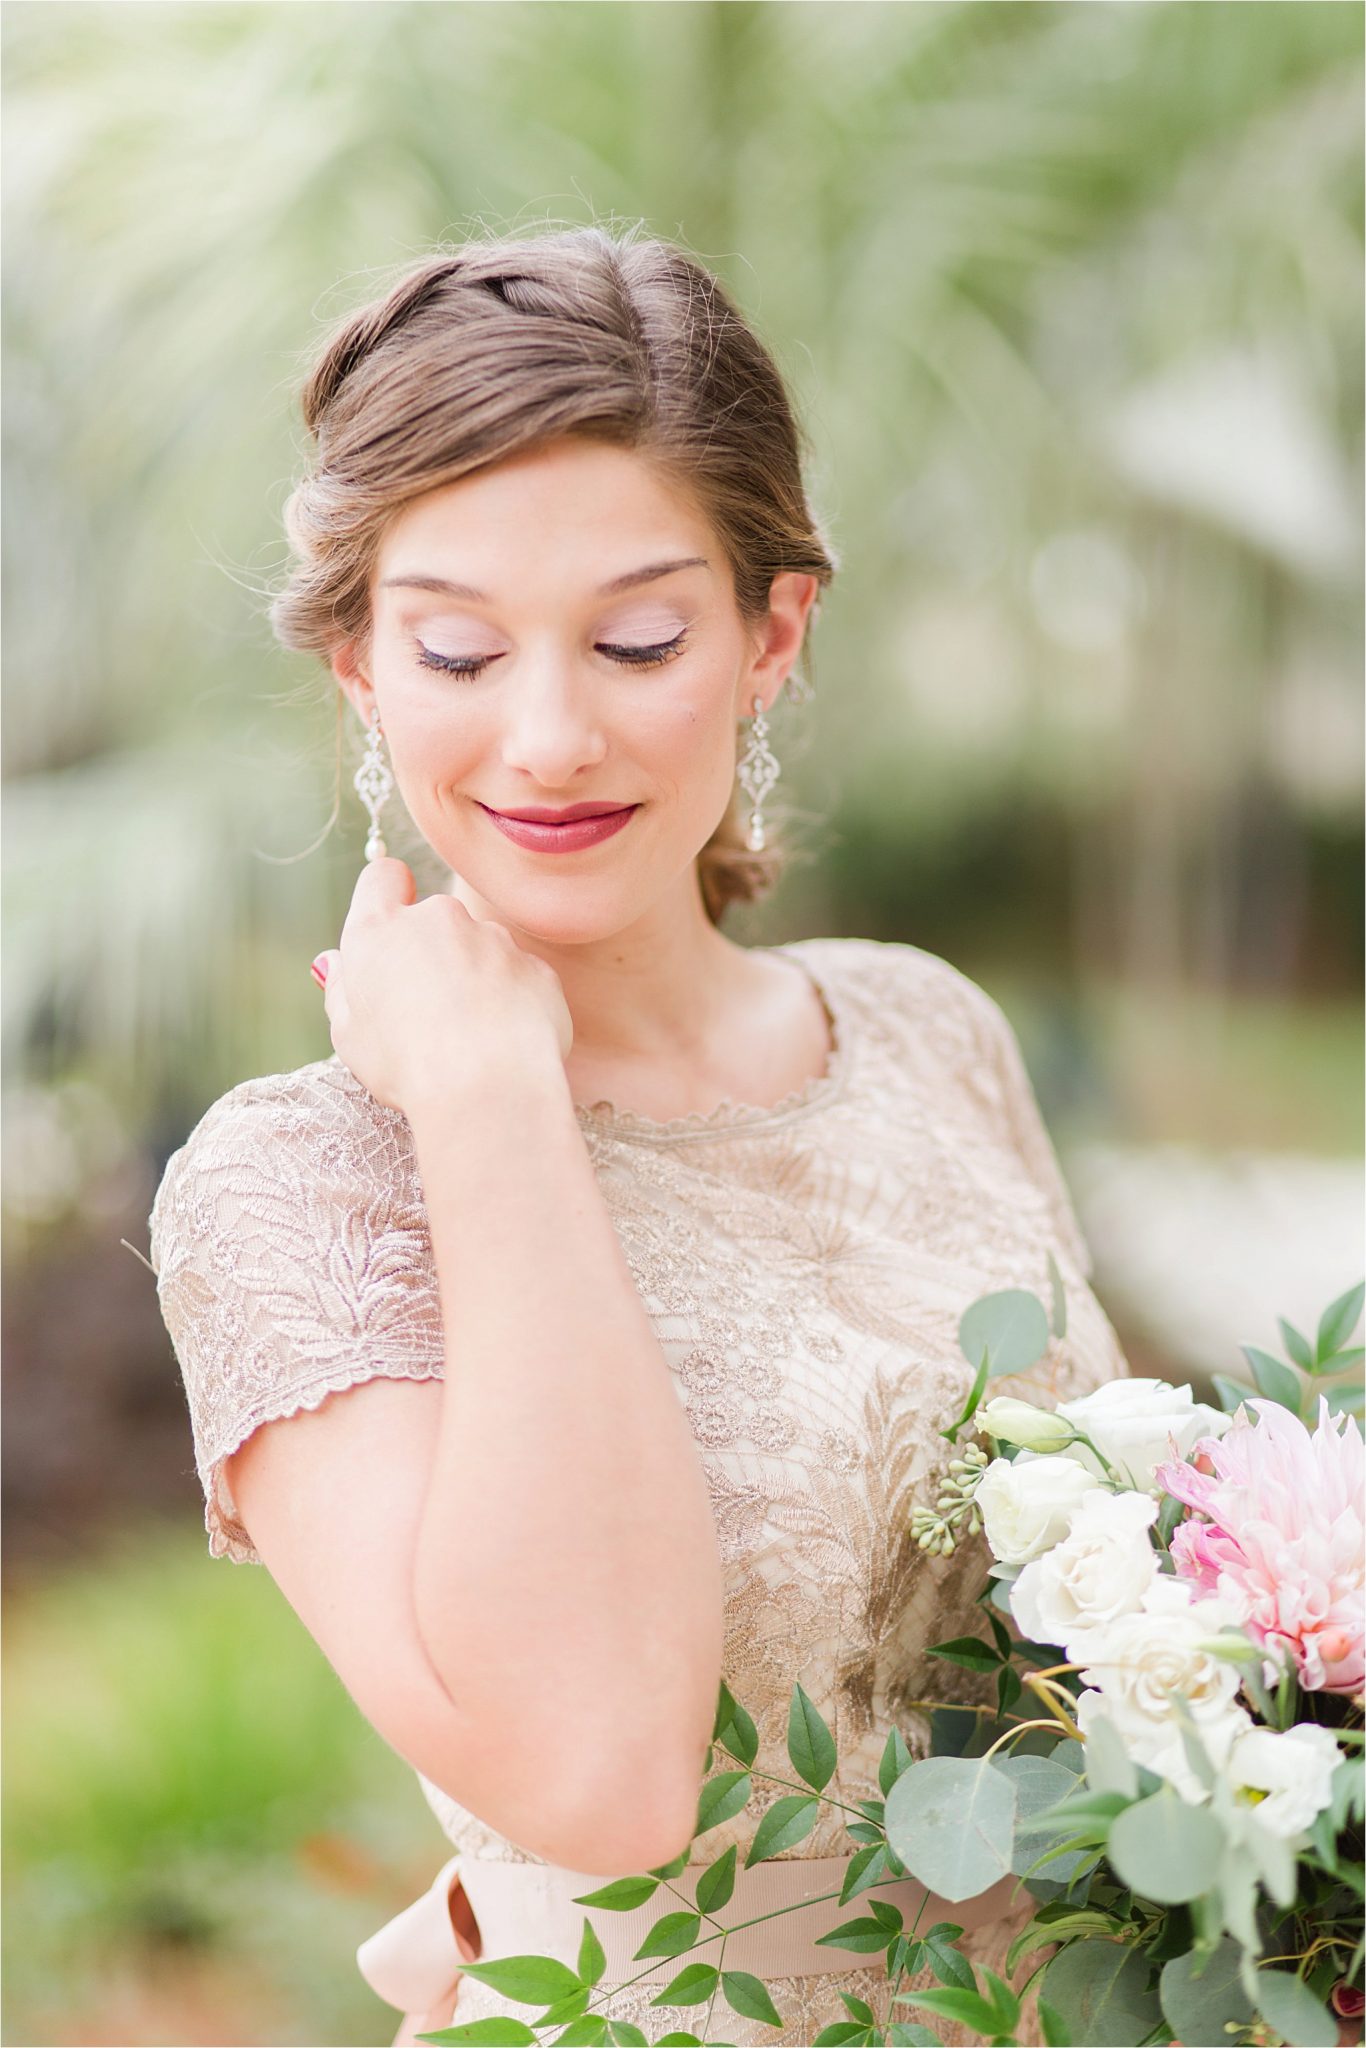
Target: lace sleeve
1008,1075
292,1258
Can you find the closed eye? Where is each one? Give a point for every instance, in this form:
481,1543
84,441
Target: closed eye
627,657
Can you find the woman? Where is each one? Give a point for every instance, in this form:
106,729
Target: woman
694,1222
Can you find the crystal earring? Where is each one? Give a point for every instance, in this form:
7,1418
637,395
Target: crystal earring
374,782
758,771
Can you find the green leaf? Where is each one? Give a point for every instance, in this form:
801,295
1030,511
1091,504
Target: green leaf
970,1651
787,1822
585,2033
1273,1379
592,1955
1055,2033
735,1728
951,1821
910,2034
680,2040
1292,2009
969,2008
491,2029
839,2032
1297,1347
1346,1400
671,1935
866,1937
1201,1995
721,1798
865,1868
1003,1999
809,1742
1165,1849
1338,1321
622,1895
1010,1324
948,1964
529,1979
690,1987
859,2007
565,2009
717,1882
1100,1991
1059,1297
973,1401
627,2035
748,1996
895,1759
1231,1393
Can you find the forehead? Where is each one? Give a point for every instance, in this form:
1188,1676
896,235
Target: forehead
593,500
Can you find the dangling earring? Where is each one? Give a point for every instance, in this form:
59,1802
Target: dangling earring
374,782
759,771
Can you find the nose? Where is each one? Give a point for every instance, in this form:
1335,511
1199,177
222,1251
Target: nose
552,729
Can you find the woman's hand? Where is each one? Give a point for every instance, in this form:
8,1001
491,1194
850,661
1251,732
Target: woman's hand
421,995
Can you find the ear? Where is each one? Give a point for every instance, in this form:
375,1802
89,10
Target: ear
790,598
355,685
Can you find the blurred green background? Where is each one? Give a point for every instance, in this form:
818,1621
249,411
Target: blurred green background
1069,297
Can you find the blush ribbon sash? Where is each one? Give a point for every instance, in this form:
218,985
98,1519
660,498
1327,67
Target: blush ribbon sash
416,1958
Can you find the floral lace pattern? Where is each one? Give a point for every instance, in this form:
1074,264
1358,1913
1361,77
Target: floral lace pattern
804,1266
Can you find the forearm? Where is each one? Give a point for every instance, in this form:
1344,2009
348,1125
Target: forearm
567,1581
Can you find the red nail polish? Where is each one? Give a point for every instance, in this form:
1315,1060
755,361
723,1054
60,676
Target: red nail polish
319,973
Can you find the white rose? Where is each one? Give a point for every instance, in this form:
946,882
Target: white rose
1140,1661
1101,1569
1026,1506
1020,1422
1289,1773
1130,1422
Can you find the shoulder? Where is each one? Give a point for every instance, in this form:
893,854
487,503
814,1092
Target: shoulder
898,983
298,1139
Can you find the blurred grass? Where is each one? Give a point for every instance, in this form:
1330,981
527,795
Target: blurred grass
199,1825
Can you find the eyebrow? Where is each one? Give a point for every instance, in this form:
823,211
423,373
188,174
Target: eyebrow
447,588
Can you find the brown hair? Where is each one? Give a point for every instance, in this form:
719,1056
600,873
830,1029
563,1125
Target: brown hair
506,342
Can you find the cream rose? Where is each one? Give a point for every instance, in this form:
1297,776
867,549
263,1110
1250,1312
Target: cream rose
1020,1422
1100,1569
1139,1662
1130,1422
1027,1506
1287,1773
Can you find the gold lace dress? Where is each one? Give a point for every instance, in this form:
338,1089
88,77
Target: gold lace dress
805,1267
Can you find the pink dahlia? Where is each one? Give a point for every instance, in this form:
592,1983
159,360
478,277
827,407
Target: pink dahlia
1282,1542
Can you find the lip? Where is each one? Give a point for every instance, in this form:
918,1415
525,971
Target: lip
538,814
581,831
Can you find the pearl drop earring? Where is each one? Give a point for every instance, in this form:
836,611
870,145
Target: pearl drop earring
374,782
758,771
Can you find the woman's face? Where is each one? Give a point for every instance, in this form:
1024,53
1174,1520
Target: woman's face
521,657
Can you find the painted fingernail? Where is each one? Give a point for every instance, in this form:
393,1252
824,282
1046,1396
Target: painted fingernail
318,970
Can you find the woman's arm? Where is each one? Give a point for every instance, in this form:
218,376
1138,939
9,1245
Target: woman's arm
567,1581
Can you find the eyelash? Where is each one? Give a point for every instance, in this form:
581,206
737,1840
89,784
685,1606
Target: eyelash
471,665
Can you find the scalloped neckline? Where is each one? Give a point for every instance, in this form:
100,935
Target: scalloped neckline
728,1115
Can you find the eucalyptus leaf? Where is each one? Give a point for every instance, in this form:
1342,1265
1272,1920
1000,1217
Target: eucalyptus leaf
1293,2010
1101,1991
1165,1849
1039,1783
1201,1993
1010,1324
951,1820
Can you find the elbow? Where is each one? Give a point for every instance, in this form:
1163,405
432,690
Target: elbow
631,1819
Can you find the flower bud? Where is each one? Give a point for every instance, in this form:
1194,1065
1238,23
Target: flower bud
1019,1422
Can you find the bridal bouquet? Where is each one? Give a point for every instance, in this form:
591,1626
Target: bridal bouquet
1172,1763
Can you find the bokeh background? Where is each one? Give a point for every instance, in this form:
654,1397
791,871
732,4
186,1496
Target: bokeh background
1070,297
